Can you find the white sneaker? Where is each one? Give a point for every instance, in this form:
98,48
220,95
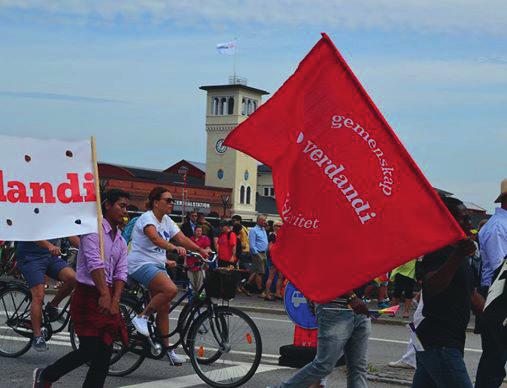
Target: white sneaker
141,325
400,364
174,359
323,382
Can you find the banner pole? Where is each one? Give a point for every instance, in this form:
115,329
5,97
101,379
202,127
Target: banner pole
97,194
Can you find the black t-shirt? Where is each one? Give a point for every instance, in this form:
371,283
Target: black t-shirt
446,315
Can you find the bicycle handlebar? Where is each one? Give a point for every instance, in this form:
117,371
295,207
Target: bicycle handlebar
197,255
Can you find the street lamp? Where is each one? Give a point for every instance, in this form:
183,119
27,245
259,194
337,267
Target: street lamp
183,170
225,202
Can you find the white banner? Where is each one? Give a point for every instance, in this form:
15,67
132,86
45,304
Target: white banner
47,189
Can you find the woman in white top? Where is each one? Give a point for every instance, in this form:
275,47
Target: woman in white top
147,261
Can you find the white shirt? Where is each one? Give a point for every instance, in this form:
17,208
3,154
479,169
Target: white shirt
143,250
493,242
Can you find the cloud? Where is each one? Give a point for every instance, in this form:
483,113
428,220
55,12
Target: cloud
56,96
454,16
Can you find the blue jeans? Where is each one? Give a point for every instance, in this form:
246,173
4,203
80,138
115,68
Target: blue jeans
340,332
441,367
491,370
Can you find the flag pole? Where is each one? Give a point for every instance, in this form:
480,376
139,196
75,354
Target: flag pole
97,195
234,60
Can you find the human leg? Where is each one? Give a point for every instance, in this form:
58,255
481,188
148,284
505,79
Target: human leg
491,369
335,329
88,350
422,378
269,282
67,276
97,372
445,367
356,351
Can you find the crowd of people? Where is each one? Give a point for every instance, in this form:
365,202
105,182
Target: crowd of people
452,282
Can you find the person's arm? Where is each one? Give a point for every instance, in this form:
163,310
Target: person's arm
494,251
190,245
53,249
91,254
233,243
477,303
151,232
437,281
74,241
119,279
251,241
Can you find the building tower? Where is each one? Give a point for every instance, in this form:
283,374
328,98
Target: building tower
226,107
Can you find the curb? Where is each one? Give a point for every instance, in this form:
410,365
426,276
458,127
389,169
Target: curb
388,380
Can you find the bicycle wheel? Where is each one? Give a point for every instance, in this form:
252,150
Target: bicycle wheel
124,362
15,324
231,335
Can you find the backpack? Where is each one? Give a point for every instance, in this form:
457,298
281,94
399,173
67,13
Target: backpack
127,232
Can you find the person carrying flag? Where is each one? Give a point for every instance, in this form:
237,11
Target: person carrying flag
449,294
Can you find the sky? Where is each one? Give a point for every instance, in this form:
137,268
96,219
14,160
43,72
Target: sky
128,72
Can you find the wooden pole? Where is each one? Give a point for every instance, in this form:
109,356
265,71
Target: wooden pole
97,194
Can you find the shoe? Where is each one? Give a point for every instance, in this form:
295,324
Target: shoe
400,364
37,381
269,298
141,325
52,312
39,344
262,294
366,300
174,359
323,382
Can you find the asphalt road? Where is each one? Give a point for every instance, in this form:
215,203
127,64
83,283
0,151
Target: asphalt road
386,344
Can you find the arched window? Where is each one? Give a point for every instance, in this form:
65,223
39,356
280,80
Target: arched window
254,103
243,107
216,103
249,107
242,194
248,194
230,107
223,106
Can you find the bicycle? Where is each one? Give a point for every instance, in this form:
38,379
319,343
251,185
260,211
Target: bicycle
223,343
16,333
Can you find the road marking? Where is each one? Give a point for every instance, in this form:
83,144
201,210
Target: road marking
193,380
406,342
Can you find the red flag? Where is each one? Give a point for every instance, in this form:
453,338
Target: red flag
353,201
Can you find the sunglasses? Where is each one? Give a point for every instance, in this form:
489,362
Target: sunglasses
168,200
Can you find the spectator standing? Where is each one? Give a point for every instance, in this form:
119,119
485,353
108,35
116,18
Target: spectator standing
449,294
243,236
195,274
493,243
258,240
95,304
227,246
188,227
273,271
404,282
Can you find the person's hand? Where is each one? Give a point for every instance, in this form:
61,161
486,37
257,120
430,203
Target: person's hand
171,263
105,304
204,252
54,250
466,247
115,307
359,307
181,251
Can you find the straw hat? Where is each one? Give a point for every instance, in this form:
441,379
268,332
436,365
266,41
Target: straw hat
503,191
